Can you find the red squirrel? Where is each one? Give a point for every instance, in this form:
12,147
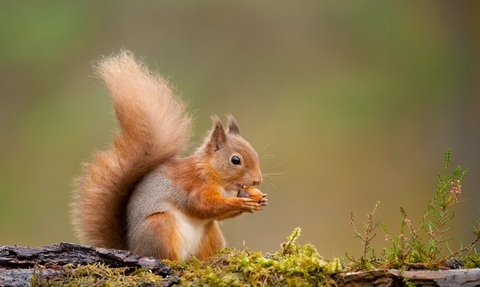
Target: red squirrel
140,195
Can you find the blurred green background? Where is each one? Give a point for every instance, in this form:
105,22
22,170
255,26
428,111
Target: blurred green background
347,102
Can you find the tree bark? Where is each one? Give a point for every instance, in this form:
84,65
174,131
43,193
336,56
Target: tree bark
424,278
17,264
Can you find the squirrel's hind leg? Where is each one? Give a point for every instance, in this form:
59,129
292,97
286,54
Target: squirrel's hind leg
156,237
212,240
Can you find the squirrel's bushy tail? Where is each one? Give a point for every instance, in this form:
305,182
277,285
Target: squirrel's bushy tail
154,127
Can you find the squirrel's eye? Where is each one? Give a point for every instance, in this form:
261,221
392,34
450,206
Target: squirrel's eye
235,160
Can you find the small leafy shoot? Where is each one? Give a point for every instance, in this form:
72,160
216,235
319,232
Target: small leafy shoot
425,246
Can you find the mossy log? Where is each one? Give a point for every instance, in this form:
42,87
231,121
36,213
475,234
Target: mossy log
17,263
424,278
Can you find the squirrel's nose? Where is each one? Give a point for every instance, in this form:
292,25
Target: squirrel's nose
257,181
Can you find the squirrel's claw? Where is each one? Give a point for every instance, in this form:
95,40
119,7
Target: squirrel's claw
264,200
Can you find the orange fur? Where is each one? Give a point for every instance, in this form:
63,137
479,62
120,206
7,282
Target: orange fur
159,237
212,240
139,195
151,119
202,197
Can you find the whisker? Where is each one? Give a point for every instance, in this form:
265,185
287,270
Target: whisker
275,166
274,177
266,146
271,176
269,183
273,180
273,173
266,183
273,185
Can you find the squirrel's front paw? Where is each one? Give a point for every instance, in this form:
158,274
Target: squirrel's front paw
249,204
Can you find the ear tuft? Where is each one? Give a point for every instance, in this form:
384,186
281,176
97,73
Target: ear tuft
233,127
217,137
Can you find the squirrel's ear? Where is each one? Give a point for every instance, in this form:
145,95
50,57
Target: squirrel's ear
233,127
217,137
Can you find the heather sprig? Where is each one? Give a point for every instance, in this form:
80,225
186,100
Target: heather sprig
424,246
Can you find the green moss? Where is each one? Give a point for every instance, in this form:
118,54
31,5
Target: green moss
97,275
293,265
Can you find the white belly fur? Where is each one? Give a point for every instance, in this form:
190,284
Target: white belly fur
191,231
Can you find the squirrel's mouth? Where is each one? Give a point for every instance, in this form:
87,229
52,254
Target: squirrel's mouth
239,187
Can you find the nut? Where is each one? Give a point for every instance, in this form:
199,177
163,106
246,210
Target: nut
251,192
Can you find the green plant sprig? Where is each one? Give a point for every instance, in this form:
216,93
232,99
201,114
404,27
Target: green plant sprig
423,246
368,227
